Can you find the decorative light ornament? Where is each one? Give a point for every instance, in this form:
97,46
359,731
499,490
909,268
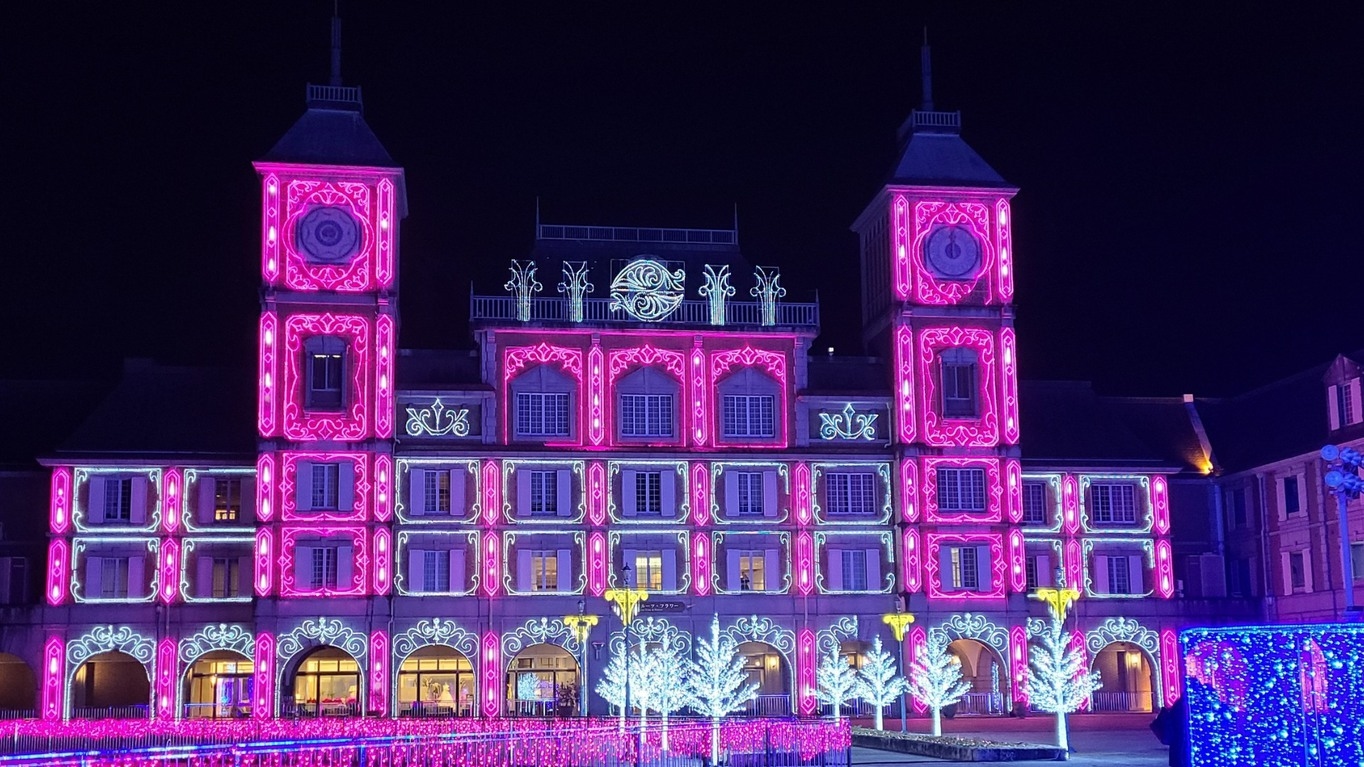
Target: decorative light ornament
768,291
847,424
437,421
523,286
575,286
647,290
935,678
717,684
837,682
878,685
716,290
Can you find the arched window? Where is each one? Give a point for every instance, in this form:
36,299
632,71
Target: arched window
542,404
646,406
749,404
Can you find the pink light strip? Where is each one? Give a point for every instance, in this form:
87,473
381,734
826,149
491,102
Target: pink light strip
700,564
909,490
58,571
596,493
1070,503
1165,577
1006,254
265,487
904,385
999,566
597,412
971,215
806,664
1160,503
384,262
270,224
994,489
54,675
900,238
169,585
1018,575
805,563
360,561
492,491
596,563
699,409
491,691
167,672
1077,641
265,558
918,645
492,564
518,358
940,430
59,514
378,672
1075,565
360,495
264,707
383,487
385,339
700,493
383,562
801,496
1170,671
1013,497
268,382
1018,655
350,425
913,580
1008,368
172,484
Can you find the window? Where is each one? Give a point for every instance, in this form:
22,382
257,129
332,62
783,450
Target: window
1034,503
646,415
436,571
965,575
436,489
1238,578
544,493
854,570
1345,405
1112,504
227,499
1290,496
648,492
848,493
326,365
542,414
1357,560
226,577
13,580
959,383
1297,570
752,571
326,484
1030,566
118,499
544,571
113,578
961,489
1236,508
750,493
1119,578
649,570
325,563
748,415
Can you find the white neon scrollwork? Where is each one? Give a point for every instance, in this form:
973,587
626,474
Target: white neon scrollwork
575,286
767,291
848,424
831,639
434,632
716,289
214,637
539,631
523,286
646,290
437,421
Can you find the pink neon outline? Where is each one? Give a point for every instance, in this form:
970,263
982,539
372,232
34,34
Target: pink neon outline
700,564
167,672
909,492
699,423
169,563
912,566
1164,570
774,365
492,564
289,479
490,686
385,337
267,381
1169,658
383,487
54,672
356,275
1018,574
1018,653
801,496
1160,503
1013,507
264,674
806,664
597,412
999,571
981,431
360,561
596,493
804,556
622,361
1008,369
1070,503
976,217
1075,565
903,395
492,491
383,561
265,558
59,513
700,493
994,490
518,358
1004,228
378,672
58,572
265,487
351,425
171,485
385,262
1077,641
270,228
918,645
899,214
596,563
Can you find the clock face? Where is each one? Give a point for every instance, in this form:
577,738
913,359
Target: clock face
328,235
952,253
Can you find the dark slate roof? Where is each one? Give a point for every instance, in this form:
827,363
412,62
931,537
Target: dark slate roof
943,159
158,410
1276,421
331,132
848,374
1066,422
439,369
38,415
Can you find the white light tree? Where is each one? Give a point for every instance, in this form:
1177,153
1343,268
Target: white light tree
877,683
837,682
612,684
1056,680
935,678
717,685
665,680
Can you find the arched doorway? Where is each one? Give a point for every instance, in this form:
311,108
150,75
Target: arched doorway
111,685
767,668
219,685
542,680
18,688
326,682
1125,671
984,670
436,680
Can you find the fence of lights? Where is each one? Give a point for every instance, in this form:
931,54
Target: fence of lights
1261,695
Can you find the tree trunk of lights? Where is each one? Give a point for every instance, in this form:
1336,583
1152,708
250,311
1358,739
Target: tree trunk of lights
664,716
880,717
1062,738
937,720
714,742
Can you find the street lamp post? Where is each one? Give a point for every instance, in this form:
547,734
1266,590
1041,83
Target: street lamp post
1344,481
898,622
581,626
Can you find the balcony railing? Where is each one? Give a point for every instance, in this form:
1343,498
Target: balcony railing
598,310
111,712
1120,701
638,234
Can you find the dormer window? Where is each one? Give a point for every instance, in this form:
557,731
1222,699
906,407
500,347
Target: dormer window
749,407
1343,404
645,406
542,405
326,365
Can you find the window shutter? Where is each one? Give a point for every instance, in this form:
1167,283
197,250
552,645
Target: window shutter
522,493
564,485
1136,575
945,574
94,577
1101,574
1333,406
1044,574
416,492
1355,400
248,499
523,570
1302,494
303,568
629,503
458,503
669,570
137,514
1307,569
565,574
416,570
772,580
137,576
345,486
303,486
668,492
1287,569
1282,496
457,571
731,494
835,570
203,585
344,564
769,494
206,496
984,569
244,576
732,570
96,500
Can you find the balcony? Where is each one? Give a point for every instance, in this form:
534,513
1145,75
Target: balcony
597,311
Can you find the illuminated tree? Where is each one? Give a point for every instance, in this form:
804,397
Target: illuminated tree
717,685
528,687
837,682
612,684
665,678
878,683
935,678
1056,680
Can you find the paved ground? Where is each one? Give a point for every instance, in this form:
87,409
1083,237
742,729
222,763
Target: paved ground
1107,740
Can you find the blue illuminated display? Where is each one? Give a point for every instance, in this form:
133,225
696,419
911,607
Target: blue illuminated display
1273,696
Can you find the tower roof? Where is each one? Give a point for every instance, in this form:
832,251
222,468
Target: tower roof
332,132
934,154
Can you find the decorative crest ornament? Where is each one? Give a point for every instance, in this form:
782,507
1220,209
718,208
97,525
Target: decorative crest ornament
760,628
646,290
977,627
434,632
767,291
314,633
437,421
848,424
523,286
215,637
650,630
576,286
831,640
539,631
717,289
102,639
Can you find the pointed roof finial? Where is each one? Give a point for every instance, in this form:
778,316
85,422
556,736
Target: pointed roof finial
926,73
336,43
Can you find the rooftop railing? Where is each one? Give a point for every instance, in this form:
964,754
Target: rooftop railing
747,314
638,234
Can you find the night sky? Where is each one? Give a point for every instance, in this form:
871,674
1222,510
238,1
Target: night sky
1187,221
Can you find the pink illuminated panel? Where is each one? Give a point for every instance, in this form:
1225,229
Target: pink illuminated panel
800,493
700,493
597,410
385,339
270,228
805,563
386,260
596,493
60,510
1077,641
772,364
974,217
917,642
1006,253
806,664
54,676
901,235
700,563
268,382
1070,503
1008,368
360,490
167,672
516,359
264,681
383,487
979,431
265,487
935,559
596,563
492,564
994,490
1165,577
622,361
904,385
58,572
1075,565
490,686
265,559
698,401
383,562
378,671
1160,503
351,537
1018,576
913,580
909,490
1013,491
172,492
350,424
353,276
169,582
1018,655
1169,661
491,485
